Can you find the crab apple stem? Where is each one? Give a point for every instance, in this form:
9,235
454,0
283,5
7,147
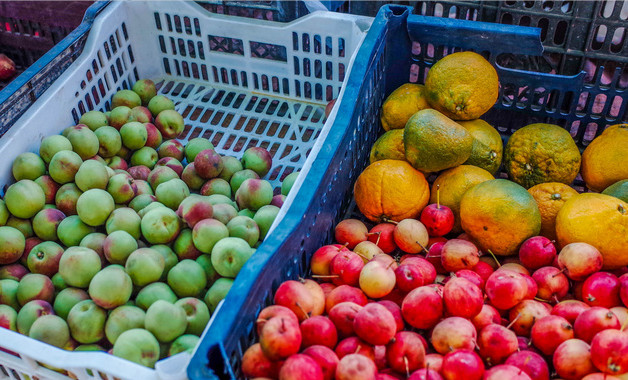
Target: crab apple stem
624,325
557,273
495,258
358,349
513,321
325,276
303,311
405,361
540,299
423,247
548,243
362,256
391,263
438,197
556,299
345,245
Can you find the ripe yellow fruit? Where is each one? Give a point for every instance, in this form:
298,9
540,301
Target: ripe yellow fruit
550,197
401,104
604,161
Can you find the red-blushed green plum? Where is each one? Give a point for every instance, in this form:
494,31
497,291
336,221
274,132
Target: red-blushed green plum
160,103
215,199
134,135
64,165
171,193
195,208
161,174
144,266
254,193
160,225
229,256
216,186
171,148
13,271
29,244
45,223
95,241
170,258
118,245
149,208
191,177
8,318
71,128
72,230
195,146
143,187
66,198
126,98
29,313
78,266
184,343
99,159
170,123
278,200
184,247
110,288
257,159
207,233
197,314
124,219
89,348
84,142
121,319
12,244
109,141
246,212
28,166
94,207
94,120
240,176
217,292
231,165
121,188
208,164
24,199
165,320
119,116
288,182
117,162
153,292
22,225
224,212
8,293
264,217
146,90
35,286
244,228
87,322
58,282
91,175
154,138
205,262
141,201
146,156
141,114
66,299
44,258
53,144
4,213
49,186
138,346
50,329
172,163
187,278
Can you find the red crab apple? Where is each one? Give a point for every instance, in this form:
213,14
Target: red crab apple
601,289
438,219
375,324
300,366
280,337
459,254
537,252
496,343
453,333
321,259
552,284
572,359
487,315
325,358
525,314
344,293
425,374
462,298
367,250
423,307
569,309
411,236
462,364
531,363
296,297
549,332
273,311
376,279
623,289
579,260
594,320
318,295
354,345
346,266
609,351
505,289
505,371
405,353
318,330
383,235
356,366
351,232
256,364
342,316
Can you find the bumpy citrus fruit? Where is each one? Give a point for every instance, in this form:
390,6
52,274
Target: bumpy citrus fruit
604,160
462,85
391,190
597,219
618,190
433,142
499,215
401,104
487,145
452,185
389,146
539,153
550,197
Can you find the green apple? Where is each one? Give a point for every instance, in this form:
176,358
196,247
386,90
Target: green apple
184,343
264,217
50,329
64,165
91,175
216,186
124,219
153,292
66,198
288,182
165,320
240,176
231,165
172,192
111,287
72,230
205,262
29,313
84,142
121,319
146,156
194,146
229,256
94,120
187,278
254,193
44,258
197,314
24,198
8,293
160,225
66,299
207,233
137,345
87,322
28,166
46,222
8,317
53,144
245,228
217,292
144,266
12,244
127,98
94,207
146,90
78,266
134,135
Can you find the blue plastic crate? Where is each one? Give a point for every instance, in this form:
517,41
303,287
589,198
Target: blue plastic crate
399,48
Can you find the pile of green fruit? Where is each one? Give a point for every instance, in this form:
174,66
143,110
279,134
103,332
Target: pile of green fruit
119,238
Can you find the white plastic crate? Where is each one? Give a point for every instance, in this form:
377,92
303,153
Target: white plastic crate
238,82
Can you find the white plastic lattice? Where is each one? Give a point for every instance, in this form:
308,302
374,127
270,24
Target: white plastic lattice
238,82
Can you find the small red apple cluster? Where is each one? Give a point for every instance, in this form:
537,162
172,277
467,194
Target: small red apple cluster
369,317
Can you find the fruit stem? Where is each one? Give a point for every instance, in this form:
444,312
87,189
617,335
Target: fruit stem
513,321
438,197
325,276
557,273
390,221
303,311
345,245
494,258
423,248
540,299
405,361
624,325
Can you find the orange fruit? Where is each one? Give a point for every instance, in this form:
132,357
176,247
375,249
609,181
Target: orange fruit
391,190
452,185
600,220
462,85
550,197
604,160
401,104
388,146
499,215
